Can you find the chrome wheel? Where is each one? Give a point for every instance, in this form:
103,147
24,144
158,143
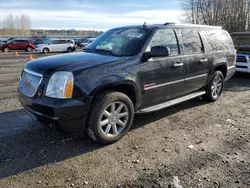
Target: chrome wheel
113,119
216,86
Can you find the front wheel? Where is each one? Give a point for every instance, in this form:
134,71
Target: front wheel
215,86
45,50
111,116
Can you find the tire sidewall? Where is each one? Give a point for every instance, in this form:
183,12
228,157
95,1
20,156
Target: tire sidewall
209,89
97,130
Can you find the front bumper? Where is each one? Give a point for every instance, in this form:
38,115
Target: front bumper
243,67
68,115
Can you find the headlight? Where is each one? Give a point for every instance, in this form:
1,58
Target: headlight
60,85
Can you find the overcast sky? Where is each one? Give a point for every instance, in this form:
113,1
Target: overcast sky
92,14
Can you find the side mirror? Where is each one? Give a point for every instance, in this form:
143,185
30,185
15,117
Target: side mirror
158,51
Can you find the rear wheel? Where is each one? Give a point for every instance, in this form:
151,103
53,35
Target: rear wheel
110,118
29,49
215,86
45,50
6,50
69,50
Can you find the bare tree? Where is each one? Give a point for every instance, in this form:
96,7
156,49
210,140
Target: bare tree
15,25
232,15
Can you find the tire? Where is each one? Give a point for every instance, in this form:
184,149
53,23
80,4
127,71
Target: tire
29,49
45,50
6,50
104,117
69,50
214,87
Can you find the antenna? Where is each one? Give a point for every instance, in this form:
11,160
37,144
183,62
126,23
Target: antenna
145,24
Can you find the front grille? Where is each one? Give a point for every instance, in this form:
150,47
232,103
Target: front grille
242,67
30,82
242,59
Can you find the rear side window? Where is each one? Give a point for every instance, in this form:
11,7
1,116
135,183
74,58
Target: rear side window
191,41
61,42
167,38
218,40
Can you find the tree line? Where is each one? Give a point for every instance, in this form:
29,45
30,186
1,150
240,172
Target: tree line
16,25
232,15
21,26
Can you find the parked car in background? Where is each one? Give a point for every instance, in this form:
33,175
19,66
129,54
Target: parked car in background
128,70
79,41
242,45
56,45
86,42
18,44
38,41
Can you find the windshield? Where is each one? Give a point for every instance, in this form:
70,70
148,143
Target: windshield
46,41
120,42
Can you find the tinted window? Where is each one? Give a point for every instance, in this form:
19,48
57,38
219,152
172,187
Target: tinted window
61,42
167,38
191,41
218,40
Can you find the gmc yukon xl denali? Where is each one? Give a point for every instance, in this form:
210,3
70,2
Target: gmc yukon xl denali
127,70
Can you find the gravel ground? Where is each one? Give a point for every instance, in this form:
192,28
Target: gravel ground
194,144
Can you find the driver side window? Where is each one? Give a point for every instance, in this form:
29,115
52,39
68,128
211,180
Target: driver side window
167,38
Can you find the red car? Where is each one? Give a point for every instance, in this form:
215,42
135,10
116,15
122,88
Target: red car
18,44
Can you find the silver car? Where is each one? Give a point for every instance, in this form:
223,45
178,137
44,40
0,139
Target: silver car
56,45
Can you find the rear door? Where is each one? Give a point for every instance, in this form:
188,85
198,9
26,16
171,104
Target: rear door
14,45
163,77
62,45
196,60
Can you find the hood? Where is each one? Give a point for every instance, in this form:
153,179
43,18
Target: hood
47,65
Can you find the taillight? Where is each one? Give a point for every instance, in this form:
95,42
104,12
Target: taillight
235,56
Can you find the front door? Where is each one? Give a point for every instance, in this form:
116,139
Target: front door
162,78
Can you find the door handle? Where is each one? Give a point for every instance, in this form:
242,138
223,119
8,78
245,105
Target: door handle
178,64
203,60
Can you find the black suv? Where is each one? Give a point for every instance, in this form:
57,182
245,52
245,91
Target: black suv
127,70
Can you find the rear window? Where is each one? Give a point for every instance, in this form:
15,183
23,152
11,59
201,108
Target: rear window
191,41
218,40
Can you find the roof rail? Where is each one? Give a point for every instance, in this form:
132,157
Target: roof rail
195,25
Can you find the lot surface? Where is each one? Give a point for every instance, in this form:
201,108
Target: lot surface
154,153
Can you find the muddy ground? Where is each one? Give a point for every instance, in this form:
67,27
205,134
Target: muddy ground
155,153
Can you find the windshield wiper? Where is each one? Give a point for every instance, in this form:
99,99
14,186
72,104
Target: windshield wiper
106,51
88,50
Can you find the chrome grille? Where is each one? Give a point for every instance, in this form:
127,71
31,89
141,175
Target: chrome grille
242,59
30,82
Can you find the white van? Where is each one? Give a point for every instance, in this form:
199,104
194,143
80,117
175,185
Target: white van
56,45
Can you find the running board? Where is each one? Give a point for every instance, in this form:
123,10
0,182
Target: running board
171,103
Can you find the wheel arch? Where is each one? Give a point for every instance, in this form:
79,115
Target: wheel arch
47,48
220,67
127,87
